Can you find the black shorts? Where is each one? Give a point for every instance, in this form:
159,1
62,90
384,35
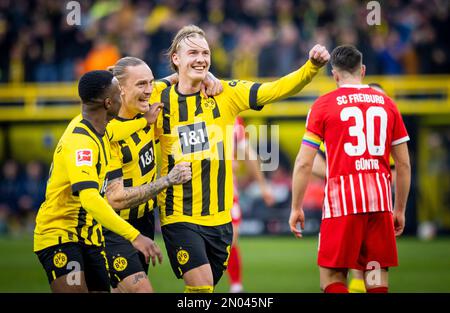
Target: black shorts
189,246
123,259
62,259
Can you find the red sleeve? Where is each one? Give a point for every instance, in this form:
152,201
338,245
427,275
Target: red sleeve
400,134
315,118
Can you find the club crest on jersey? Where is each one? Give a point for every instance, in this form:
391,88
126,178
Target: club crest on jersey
209,103
84,157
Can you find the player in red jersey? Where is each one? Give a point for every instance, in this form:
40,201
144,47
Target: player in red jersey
360,127
241,148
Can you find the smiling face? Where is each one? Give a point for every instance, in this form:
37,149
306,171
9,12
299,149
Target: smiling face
192,58
137,89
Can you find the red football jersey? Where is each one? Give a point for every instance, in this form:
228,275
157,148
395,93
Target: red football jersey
359,126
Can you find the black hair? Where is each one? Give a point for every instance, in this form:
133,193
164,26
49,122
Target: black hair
93,85
346,58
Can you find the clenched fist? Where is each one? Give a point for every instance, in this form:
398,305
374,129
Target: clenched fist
319,55
180,174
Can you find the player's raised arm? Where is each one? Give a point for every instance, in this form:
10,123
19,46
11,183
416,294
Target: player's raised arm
117,132
302,171
292,83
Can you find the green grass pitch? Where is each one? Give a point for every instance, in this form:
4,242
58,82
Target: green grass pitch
271,264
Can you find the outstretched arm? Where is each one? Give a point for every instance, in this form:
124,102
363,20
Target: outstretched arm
122,131
121,197
292,83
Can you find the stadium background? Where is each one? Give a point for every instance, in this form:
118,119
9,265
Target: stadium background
41,56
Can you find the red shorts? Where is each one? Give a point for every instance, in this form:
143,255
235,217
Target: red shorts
236,214
355,240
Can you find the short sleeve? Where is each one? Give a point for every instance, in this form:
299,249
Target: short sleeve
315,119
115,163
81,157
400,134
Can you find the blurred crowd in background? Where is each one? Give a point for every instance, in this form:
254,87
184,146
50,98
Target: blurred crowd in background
250,38
22,190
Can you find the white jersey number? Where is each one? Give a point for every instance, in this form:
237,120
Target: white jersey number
358,131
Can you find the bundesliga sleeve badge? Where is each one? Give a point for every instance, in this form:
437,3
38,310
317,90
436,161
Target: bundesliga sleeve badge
84,157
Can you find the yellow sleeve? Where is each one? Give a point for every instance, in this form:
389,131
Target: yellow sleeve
80,158
123,130
104,214
250,95
288,85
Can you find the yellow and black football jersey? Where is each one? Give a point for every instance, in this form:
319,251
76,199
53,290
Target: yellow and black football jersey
80,162
200,131
134,159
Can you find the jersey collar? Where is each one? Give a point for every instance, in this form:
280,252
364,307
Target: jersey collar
183,95
91,128
122,119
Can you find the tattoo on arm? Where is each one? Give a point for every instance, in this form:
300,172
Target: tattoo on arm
128,197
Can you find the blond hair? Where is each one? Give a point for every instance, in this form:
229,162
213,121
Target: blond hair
184,33
119,70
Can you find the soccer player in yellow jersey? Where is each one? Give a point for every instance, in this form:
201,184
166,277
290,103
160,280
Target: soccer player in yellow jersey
68,236
195,216
132,178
